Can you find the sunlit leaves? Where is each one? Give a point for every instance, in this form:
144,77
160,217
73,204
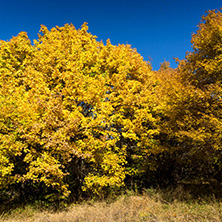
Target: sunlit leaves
79,114
66,97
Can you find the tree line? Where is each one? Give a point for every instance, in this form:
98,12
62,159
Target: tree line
80,117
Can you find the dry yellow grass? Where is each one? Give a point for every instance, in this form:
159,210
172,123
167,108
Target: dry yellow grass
127,208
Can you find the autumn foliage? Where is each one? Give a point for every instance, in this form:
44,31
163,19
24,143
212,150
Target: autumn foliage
80,116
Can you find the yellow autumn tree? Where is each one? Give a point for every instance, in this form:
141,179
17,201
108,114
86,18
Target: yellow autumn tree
75,114
50,94
133,118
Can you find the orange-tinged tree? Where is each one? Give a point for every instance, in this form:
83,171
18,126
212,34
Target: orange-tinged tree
202,68
203,65
190,102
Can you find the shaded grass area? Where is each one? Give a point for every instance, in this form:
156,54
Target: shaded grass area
153,205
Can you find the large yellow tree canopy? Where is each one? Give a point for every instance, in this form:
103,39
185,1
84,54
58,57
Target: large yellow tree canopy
80,115
67,98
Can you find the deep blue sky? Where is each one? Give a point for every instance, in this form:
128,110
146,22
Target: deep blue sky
158,29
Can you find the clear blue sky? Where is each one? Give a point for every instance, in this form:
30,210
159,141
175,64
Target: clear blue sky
158,29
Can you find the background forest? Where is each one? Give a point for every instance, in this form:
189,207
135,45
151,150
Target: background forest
79,117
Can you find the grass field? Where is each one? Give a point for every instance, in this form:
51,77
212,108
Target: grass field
152,205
